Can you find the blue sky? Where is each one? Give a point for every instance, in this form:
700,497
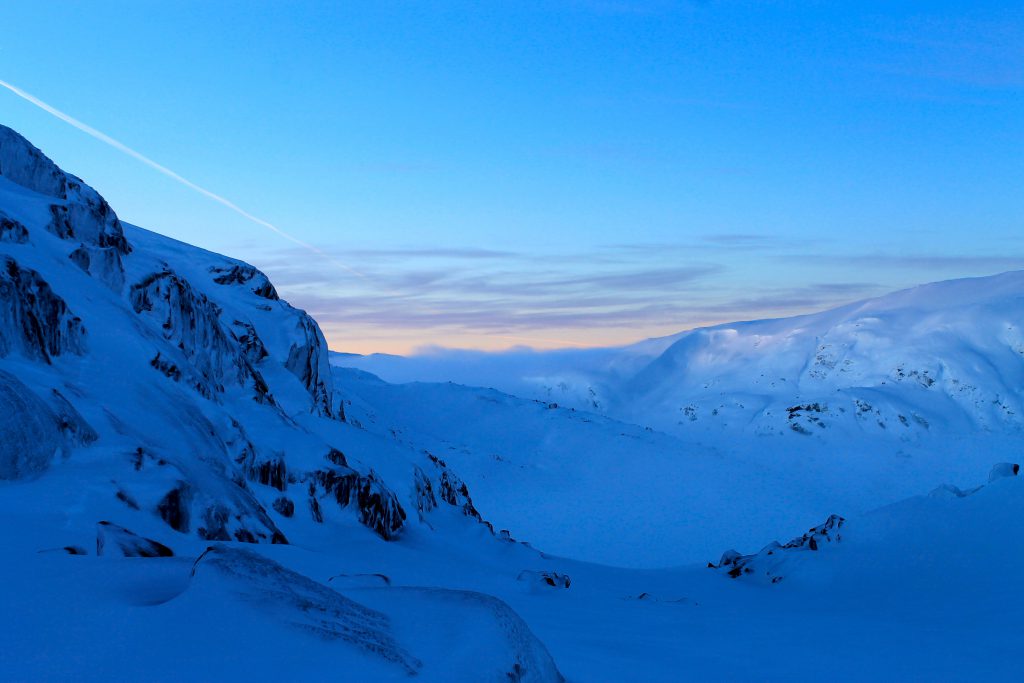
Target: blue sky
583,172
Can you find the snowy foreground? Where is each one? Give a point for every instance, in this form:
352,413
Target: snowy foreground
190,490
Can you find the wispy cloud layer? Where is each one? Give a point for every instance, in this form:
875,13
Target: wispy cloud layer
614,293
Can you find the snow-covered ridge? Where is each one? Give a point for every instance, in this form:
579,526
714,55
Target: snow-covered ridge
946,357
203,400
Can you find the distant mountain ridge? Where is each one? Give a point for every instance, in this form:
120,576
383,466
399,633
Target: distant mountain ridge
947,355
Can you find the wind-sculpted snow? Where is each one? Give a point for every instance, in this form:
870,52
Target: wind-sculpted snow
479,633
289,597
112,539
35,432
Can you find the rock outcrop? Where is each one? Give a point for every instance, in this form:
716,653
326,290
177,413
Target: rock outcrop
34,320
191,322
768,563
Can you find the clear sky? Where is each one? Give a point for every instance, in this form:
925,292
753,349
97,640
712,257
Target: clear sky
547,173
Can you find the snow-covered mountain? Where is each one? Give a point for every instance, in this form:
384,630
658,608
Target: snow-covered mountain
189,490
946,357
157,398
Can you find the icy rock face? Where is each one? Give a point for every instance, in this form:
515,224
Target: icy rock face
769,562
33,319
424,492
81,215
307,360
243,273
293,599
192,322
103,263
12,231
452,490
378,506
112,539
22,163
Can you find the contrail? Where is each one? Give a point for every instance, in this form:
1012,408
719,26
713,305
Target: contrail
120,146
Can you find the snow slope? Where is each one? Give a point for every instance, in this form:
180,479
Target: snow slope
584,485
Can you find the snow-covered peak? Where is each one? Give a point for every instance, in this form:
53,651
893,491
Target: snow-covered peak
22,163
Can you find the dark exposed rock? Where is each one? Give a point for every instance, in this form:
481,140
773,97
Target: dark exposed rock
269,473
250,342
284,506
243,273
33,319
337,457
112,539
60,222
451,490
12,231
455,492
215,518
174,373
770,560
1004,469
80,257
544,579
245,536
75,550
175,507
314,505
127,499
378,506
192,322
216,521
424,492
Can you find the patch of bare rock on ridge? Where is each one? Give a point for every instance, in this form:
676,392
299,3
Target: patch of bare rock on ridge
769,562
